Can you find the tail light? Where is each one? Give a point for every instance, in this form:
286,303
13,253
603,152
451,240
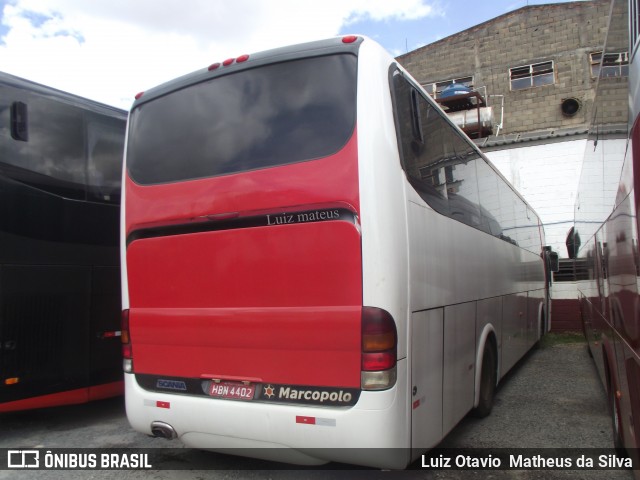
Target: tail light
379,349
127,351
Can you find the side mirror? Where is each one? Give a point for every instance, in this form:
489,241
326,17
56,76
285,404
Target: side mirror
554,263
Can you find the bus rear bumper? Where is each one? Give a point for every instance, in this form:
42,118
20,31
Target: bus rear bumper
375,432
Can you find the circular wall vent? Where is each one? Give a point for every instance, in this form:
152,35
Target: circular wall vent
570,106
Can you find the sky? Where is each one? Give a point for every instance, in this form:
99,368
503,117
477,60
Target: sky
109,50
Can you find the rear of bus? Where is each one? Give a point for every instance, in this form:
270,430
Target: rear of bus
244,324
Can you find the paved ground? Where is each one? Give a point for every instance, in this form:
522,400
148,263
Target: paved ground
552,399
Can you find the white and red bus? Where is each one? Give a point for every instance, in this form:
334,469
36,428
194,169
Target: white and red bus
316,259
606,223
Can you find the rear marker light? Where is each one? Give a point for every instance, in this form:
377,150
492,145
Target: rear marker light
11,381
214,66
127,351
242,58
379,349
349,39
378,361
127,365
115,334
124,332
378,380
139,95
228,62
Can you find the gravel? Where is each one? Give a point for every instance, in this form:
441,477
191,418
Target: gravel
552,399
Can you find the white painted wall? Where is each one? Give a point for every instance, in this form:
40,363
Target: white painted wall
547,177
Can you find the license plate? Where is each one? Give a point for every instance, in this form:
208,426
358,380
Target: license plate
232,390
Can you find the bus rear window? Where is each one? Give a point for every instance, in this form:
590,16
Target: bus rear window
271,115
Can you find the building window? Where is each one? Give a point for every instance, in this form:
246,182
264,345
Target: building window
614,64
534,75
435,89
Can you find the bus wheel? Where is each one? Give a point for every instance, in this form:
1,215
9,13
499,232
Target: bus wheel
487,383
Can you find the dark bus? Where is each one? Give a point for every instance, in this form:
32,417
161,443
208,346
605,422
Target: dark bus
60,177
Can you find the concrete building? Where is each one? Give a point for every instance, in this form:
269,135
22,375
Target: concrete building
538,68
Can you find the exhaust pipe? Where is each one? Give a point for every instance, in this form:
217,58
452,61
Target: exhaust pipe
163,430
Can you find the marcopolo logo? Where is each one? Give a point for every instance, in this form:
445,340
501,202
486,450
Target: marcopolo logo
314,395
310,395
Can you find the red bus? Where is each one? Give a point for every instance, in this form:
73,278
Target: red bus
606,225
317,261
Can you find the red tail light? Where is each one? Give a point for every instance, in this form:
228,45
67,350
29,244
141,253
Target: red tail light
379,349
125,338
373,362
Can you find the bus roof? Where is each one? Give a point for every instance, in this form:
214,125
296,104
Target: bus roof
19,82
343,44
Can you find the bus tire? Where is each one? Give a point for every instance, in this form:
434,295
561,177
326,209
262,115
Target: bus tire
487,383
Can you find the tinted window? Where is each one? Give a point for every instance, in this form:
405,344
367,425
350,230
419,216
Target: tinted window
262,117
53,156
105,148
450,176
438,162
488,183
63,149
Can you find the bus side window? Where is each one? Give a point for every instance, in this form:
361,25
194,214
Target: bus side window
105,149
53,158
451,176
438,162
416,151
489,199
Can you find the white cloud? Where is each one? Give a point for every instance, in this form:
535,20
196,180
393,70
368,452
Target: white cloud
110,50
379,10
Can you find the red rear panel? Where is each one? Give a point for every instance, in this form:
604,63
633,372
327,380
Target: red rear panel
277,299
